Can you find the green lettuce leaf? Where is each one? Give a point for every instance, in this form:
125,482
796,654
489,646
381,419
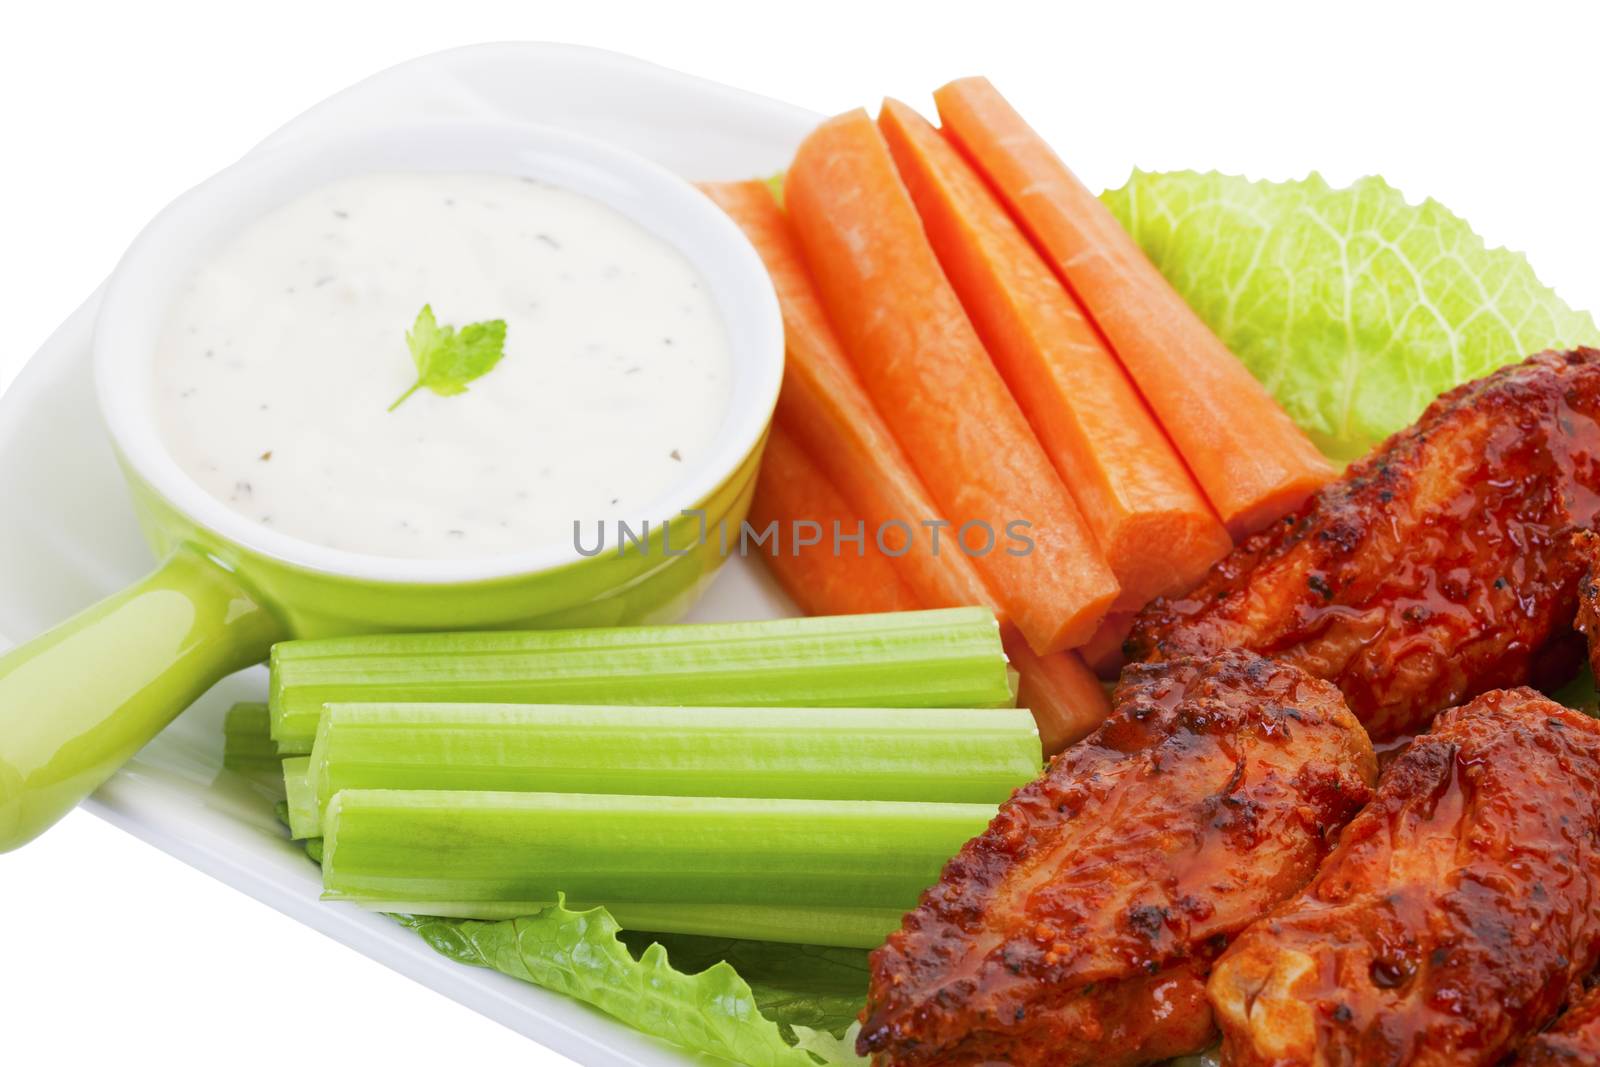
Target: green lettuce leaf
1580,694
716,1011
813,987
830,1049
1355,308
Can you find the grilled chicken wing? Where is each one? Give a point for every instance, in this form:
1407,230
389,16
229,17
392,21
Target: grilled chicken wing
1439,567
1574,1040
1079,928
1454,914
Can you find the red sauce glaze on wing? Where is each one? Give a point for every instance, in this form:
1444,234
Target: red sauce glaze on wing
1439,567
1573,1041
1587,545
1079,928
1453,917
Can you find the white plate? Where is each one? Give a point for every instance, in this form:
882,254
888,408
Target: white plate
69,536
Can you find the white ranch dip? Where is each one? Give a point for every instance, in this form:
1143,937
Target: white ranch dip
279,362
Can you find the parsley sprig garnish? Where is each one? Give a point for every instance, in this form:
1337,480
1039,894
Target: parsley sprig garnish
447,359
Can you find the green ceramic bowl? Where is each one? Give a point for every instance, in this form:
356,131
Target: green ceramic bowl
78,701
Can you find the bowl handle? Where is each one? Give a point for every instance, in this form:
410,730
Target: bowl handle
78,701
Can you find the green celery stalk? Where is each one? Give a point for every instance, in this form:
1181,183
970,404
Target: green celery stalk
793,925
841,927
247,744
301,794
913,754
945,658
400,850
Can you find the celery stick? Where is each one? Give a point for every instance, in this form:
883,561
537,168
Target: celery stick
800,925
927,754
304,819
946,658
428,846
842,927
247,745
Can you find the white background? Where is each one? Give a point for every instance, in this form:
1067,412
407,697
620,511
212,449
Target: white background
107,111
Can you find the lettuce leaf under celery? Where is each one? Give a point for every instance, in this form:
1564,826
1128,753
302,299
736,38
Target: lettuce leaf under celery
1354,307
736,1007
1580,694
815,987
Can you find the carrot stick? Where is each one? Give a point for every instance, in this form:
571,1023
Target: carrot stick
1063,696
1066,699
858,579
1102,653
932,381
1148,515
825,409
826,418
1253,462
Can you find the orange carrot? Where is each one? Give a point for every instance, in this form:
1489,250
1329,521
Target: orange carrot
1066,699
930,378
826,412
825,408
1253,462
858,579
1102,653
1063,696
1150,519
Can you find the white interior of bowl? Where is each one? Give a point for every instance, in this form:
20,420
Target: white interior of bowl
169,251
